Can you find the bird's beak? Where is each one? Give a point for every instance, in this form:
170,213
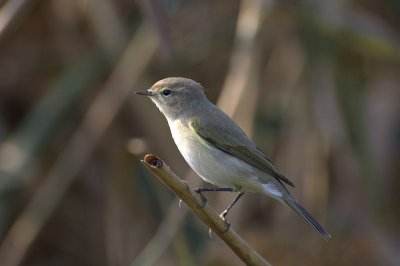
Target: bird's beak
145,93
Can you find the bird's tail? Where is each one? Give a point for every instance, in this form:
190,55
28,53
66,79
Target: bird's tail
303,213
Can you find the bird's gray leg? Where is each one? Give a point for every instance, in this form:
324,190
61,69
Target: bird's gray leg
209,189
225,212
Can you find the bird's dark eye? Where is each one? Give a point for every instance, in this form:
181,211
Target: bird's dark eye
166,92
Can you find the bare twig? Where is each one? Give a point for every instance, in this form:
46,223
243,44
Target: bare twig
203,211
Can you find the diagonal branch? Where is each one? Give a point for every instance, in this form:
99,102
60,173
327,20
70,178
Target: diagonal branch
205,213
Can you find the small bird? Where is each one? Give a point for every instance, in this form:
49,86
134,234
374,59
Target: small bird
217,149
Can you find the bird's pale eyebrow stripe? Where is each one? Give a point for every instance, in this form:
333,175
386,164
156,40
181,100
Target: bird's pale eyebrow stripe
157,87
161,86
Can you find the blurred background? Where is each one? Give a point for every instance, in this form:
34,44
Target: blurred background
315,83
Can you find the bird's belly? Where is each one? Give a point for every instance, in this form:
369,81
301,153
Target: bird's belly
218,167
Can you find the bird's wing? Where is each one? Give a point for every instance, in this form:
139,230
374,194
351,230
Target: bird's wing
238,145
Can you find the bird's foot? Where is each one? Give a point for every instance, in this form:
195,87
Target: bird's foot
227,223
202,197
223,215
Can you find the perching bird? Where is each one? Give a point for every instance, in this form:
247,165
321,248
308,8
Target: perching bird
217,149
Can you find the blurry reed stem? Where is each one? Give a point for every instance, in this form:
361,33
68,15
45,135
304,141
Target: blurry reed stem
239,92
10,12
80,147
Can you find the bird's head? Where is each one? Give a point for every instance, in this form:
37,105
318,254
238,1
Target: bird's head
175,96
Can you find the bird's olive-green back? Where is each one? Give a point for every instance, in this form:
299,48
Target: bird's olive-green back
237,145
